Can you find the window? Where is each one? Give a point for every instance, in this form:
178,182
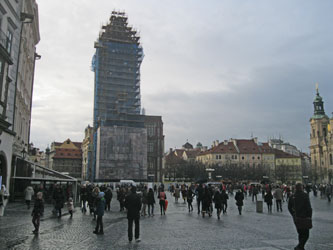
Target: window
151,130
235,157
252,157
9,40
2,72
331,159
150,147
242,157
258,157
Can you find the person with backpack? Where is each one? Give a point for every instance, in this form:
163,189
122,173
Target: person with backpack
162,197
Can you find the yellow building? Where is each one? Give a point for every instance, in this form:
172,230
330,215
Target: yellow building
321,143
288,168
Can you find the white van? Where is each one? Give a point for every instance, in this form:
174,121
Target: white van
128,182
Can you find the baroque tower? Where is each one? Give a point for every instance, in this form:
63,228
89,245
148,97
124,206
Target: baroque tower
321,142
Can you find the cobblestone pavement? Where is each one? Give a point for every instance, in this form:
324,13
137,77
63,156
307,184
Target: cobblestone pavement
177,230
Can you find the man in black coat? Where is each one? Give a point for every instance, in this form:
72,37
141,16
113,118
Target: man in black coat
133,206
299,206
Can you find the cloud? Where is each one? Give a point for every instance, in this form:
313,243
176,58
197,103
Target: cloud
213,70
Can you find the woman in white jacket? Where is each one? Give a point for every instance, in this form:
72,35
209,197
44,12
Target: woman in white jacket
28,192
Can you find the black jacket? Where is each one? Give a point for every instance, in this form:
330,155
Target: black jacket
239,197
133,205
150,198
299,205
38,208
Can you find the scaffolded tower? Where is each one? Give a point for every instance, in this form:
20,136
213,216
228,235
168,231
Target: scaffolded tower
116,64
120,140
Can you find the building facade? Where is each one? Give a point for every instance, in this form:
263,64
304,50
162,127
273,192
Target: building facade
155,147
66,157
19,33
29,38
119,127
87,153
321,143
288,167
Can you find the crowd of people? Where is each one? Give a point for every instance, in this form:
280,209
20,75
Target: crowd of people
140,201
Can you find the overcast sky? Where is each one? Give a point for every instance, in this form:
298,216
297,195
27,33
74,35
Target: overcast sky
212,69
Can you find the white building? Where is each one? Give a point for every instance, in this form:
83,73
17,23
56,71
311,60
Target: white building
19,33
284,146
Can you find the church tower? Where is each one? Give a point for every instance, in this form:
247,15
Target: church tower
320,141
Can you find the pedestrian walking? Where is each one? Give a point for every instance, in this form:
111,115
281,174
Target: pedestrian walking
268,198
28,193
4,195
254,193
59,198
199,193
218,203
133,206
225,198
190,196
99,211
70,207
206,203
162,197
37,211
278,195
83,198
328,192
150,202
239,197
144,201
176,193
108,198
299,207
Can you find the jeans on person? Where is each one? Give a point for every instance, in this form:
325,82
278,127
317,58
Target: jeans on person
150,209
130,228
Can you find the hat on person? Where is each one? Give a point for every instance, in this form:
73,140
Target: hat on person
101,194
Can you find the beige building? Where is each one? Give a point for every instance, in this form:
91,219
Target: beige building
321,143
87,153
288,167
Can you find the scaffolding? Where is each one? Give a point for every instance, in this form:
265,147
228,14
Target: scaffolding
116,64
117,102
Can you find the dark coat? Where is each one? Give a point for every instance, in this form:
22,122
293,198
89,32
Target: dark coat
59,198
100,206
218,200
269,198
133,206
239,197
225,197
38,208
299,205
108,194
150,198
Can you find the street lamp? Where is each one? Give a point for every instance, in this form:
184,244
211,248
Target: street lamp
23,153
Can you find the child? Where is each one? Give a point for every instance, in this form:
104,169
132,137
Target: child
37,212
70,207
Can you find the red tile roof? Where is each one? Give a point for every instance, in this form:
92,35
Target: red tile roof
247,147
282,154
266,149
